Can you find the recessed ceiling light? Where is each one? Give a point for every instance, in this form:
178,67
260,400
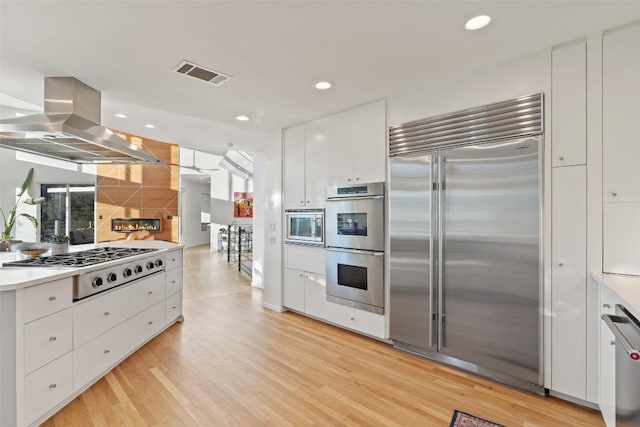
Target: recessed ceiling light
120,115
20,114
149,125
477,22
242,118
322,85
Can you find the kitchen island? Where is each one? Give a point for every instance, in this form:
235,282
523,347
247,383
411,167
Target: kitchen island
55,344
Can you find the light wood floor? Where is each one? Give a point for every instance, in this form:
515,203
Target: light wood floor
235,363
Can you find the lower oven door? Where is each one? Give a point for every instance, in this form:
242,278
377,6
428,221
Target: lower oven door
356,278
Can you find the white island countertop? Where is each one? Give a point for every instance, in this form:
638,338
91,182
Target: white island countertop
626,287
12,278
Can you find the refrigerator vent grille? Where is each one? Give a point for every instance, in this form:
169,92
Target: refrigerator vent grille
523,116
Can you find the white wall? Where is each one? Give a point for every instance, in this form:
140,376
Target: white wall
271,165
190,215
222,213
259,218
12,174
220,184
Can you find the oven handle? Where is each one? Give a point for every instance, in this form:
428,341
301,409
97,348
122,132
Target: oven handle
628,347
355,251
339,199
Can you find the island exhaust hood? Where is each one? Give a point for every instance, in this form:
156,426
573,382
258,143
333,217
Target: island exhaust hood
70,128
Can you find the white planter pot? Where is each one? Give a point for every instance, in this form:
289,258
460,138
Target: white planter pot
59,248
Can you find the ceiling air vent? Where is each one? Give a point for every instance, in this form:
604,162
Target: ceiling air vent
187,68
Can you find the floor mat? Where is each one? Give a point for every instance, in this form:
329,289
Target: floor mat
462,419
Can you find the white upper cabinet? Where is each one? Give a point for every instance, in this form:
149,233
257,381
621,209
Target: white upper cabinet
621,115
305,165
294,150
316,155
569,105
357,143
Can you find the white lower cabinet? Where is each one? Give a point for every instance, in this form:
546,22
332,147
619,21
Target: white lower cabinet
147,324
358,320
293,289
47,339
315,295
305,292
569,277
174,284
173,307
47,387
147,292
98,315
102,353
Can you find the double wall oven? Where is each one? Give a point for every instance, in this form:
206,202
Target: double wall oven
355,246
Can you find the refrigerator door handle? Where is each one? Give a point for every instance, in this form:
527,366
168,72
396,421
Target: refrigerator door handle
432,258
440,274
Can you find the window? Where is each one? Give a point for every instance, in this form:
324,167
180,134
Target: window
69,209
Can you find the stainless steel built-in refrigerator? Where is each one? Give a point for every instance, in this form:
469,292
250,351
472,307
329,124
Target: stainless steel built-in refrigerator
465,230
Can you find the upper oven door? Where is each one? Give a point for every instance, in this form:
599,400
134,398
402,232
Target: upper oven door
356,223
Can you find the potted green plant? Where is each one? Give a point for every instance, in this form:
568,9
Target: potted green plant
59,244
9,218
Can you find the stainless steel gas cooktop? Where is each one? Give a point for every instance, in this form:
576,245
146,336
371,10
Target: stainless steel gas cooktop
94,281
80,259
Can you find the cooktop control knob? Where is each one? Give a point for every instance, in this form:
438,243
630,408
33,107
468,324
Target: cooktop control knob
138,269
97,282
150,265
159,263
127,272
111,277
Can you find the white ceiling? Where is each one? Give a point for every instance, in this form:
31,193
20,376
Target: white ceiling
275,51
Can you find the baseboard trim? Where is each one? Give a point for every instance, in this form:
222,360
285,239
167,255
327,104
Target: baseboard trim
273,307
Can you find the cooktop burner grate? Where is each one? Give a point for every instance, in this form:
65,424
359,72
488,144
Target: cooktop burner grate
80,259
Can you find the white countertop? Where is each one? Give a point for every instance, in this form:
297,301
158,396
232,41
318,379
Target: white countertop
626,287
14,277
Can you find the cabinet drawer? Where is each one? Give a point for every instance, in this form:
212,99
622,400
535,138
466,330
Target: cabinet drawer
40,301
174,259
47,339
97,316
100,354
147,292
174,281
146,324
358,320
47,387
315,295
173,307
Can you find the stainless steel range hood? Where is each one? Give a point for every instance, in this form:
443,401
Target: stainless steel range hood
70,128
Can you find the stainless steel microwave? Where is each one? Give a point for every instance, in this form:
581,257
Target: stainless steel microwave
305,226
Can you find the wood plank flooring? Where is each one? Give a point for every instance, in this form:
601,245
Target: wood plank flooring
234,363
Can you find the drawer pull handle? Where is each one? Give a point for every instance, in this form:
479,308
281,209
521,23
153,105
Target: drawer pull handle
150,292
173,281
106,313
52,298
107,351
52,338
353,318
150,322
173,259
173,308
53,385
